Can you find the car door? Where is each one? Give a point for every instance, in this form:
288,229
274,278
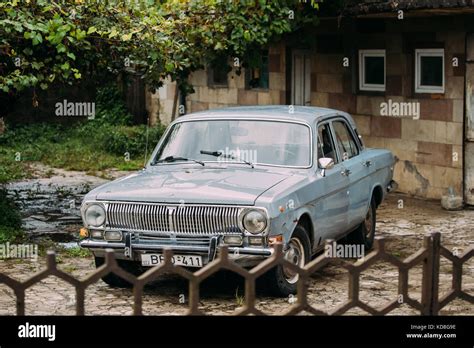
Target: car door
332,204
357,169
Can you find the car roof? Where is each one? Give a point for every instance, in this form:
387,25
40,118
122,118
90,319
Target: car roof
307,114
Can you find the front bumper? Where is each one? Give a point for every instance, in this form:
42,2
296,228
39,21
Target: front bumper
130,250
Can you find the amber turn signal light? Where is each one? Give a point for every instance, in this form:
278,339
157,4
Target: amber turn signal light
275,240
84,233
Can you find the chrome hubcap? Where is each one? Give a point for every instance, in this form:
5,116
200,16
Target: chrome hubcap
295,255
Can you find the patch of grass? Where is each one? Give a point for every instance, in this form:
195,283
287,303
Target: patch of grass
59,259
49,173
105,142
97,149
76,154
10,220
12,235
46,244
70,268
11,168
76,252
239,299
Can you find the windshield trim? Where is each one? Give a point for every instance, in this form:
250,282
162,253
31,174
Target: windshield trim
235,118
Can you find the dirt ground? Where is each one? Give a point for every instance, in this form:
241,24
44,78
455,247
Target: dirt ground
403,226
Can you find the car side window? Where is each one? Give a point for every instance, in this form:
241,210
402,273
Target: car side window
326,146
347,145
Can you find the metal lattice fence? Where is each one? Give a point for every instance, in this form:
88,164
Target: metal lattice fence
428,257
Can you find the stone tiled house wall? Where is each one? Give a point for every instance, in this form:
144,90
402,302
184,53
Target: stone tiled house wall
160,104
429,150
236,93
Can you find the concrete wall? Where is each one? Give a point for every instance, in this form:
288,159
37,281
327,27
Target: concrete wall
160,104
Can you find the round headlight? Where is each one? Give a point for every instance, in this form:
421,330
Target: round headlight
95,215
255,221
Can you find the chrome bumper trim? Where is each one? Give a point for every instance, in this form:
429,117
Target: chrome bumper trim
180,248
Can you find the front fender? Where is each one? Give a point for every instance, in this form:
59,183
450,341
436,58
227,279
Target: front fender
285,223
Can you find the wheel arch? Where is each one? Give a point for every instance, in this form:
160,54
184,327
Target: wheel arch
305,221
377,194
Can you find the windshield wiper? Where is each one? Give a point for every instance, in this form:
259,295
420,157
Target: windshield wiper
174,159
220,154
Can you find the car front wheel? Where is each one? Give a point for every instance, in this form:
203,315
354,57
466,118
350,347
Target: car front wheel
283,281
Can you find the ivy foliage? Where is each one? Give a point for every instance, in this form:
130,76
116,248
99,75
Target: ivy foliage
47,41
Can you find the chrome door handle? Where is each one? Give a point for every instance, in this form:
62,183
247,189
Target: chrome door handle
346,172
367,163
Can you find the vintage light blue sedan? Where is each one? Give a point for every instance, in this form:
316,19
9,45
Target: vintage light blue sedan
245,177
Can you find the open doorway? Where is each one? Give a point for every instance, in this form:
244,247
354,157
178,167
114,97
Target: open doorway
301,78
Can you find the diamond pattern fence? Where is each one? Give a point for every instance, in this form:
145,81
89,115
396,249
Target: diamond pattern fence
428,257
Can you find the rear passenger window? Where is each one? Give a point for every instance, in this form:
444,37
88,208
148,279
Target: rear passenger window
345,141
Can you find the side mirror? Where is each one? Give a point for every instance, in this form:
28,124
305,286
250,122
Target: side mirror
324,164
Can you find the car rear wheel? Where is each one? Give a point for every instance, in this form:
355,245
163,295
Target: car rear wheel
365,233
113,279
283,281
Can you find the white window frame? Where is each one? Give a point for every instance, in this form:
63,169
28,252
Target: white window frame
370,86
428,52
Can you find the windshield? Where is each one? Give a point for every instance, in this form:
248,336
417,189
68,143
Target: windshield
251,141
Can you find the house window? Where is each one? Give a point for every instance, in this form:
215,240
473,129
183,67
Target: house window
217,76
257,77
372,70
429,72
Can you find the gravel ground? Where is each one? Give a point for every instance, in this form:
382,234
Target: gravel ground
403,229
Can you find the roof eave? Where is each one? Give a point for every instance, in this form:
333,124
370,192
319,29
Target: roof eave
414,13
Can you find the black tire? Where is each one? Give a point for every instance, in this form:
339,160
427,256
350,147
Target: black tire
115,281
279,280
365,233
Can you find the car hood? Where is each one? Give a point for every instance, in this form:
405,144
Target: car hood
199,186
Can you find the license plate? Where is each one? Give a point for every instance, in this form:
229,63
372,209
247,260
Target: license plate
178,260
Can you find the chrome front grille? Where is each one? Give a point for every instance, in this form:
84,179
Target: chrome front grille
165,239
138,217
181,219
